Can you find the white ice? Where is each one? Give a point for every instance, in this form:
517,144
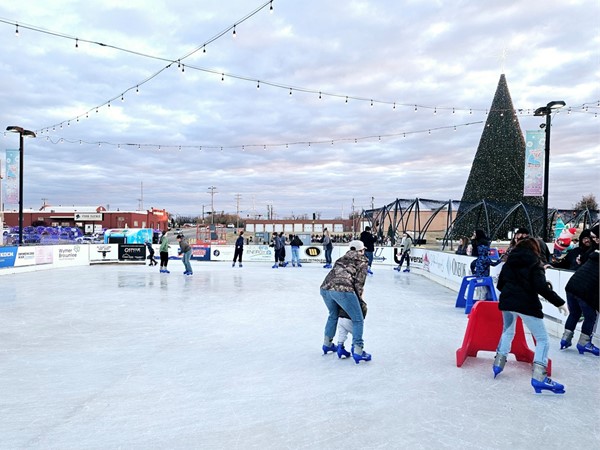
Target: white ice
121,356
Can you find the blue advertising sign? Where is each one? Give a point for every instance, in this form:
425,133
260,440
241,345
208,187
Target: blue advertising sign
8,255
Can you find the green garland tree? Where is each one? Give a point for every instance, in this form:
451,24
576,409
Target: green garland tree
497,174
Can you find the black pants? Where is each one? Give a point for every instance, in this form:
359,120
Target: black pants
164,259
237,254
405,256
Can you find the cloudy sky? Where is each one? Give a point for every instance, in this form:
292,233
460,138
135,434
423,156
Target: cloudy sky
297,109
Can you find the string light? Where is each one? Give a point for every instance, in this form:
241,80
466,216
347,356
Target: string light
258,84
17,30
290,91
222,77
76,43
234,33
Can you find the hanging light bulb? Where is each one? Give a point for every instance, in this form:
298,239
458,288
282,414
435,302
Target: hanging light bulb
470,111
182,68
109,104
234,33
415,108
122,98
394,105
453,111
371,103
17,29
258,84
290,91
346,99
76,43
319,95
222,77
137,89
271,7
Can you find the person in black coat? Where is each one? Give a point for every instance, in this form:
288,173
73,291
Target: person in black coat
583,287
521,280
368,240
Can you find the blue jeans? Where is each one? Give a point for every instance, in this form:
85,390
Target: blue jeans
295,255
537,329
186,261
576,308
328,255
348,301
369,256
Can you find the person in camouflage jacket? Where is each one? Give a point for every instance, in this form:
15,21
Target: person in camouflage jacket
343,288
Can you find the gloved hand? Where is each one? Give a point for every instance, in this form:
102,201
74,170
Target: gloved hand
563,309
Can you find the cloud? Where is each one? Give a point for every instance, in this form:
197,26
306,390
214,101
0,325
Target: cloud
275,148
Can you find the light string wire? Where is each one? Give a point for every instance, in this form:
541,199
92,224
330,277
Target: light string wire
243,147
145,55
528,111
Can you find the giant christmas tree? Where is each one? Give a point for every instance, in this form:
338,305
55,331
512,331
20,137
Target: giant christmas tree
497,175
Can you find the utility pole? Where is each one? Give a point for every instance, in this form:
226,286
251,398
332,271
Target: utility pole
237,202
212,203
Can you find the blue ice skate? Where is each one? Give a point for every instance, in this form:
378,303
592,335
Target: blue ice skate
331,348
362,356
341,351
547,384
589,347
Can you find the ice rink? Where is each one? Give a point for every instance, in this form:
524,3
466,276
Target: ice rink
121,356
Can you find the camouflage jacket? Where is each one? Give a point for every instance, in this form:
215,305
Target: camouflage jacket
348,274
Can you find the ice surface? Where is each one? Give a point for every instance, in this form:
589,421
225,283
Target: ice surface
121,356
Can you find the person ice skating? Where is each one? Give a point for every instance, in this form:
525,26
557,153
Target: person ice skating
405,246
151,254
281,238
368,240
296,243
342,288
164,252
582,297
186,254
480,266
344,327
327,248
521,280
239,249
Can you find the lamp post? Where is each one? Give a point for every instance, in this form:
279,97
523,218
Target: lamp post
547,111
212,204
22,132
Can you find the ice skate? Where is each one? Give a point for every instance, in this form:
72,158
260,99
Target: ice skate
360,355
499,363
330,348
341,351
369,271
241,265
233,265
397,268
299,265
275,266
585,345
540,381
565,342
406,270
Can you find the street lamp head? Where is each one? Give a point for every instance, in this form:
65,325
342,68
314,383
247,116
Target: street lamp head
556,104
546,110
21,131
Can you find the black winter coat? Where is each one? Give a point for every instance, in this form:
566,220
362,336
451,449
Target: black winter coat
520,282
584,282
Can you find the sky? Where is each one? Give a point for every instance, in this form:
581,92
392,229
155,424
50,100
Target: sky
308,108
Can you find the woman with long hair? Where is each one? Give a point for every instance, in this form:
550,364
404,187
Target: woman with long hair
521,281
